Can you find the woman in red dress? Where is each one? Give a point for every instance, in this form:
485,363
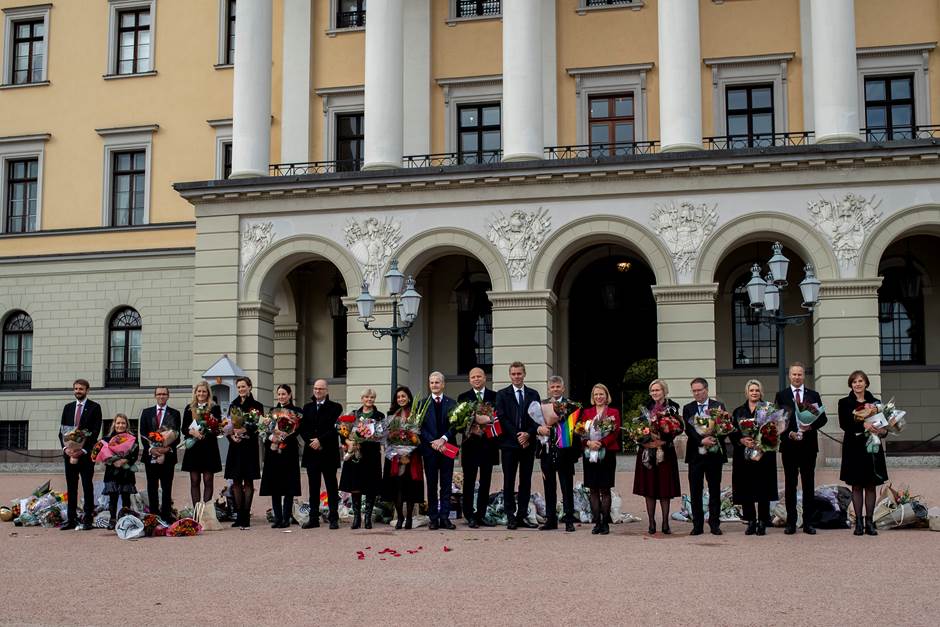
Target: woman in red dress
658,480
600,456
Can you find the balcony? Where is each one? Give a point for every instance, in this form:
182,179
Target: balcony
16,380
120,377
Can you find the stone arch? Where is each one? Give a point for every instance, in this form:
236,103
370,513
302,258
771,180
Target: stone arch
600,229
809,243
264,275
434,243
918,220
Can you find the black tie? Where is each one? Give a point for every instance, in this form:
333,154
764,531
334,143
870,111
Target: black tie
520,411
701,409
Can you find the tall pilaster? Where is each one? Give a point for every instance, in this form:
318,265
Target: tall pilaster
522,80
384,104
835,71
251,102
680,76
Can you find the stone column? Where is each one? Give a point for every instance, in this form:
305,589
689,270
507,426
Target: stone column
417,80
256,347
384,108
522,80
680,76
251,105
835,71
846,337
549,75
369,359
285,357
215,290
295,88
523,323
685,316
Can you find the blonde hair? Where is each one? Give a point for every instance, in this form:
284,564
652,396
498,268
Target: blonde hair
600,386
751,382
127,422
662,384
195,402
368,392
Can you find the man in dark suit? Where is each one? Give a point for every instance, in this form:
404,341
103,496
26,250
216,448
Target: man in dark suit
477,453
517,444
438,468
155,418
798,448
557,465
321,452
82,413
703,466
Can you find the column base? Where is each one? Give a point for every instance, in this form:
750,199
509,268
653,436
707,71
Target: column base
521,156
247,174
381,165
680,147
838,138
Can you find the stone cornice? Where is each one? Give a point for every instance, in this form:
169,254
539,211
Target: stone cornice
258,309
286,331
699,293
532,299
850,288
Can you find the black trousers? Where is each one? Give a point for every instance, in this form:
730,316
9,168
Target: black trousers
160,477
85,470
701,471
332,491
520,460
800,466
554,472
761,514
439,473
470,468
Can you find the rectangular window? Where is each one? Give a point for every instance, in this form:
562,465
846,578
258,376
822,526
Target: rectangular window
22,193
226,160
611,125
351,14
350,134
755,344
473,8
604,3
889,108
29,51
133,42
229,32
128,176
14,434
749,116
479,135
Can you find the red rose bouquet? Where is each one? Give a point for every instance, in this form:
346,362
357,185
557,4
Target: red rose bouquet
204,422
279,425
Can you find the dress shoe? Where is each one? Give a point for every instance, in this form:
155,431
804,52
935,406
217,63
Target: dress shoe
399,523
408,523
751,528
716,531
511,524
605,528
334,524
526,524
313,523
761,529
276,524
111,525
483,522
432,525
549,525
809,529
870,527
652,528
473,524
447,524
697,531
789,529
68,526
596,530
665,528
858,528
569,527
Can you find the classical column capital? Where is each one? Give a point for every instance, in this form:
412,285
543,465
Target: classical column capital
685,294
850,288
528,299
258,309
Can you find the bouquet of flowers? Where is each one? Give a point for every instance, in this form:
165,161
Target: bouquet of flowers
239,422
637,429
118,447
153,526
278,426
74,441
205,423
806,415
594,430
363,430
345,425
717,423
880,416
771,423
402,439
184,528
163,438
487,420
461,416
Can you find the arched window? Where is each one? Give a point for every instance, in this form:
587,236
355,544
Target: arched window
755,344
901,316
124,331
474,327
16,370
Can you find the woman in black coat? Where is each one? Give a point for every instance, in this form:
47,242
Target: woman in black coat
403,481
752,480
860,469
201,459
658,481
119,479
281,477
363,475
242,464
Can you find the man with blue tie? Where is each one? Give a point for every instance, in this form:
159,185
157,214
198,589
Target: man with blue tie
516,444
438,467
703,465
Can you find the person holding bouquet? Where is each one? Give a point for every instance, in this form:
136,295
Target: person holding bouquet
201,459
281,477
363,474
403,483
81,417
321,452
862,470
660,480
478,453
799,447
705,455
557,463
599,475
119,479
436,434
157,418
516,444
242,463
752,480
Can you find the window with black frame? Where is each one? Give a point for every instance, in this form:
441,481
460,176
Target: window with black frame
124,349
226,160
229,32
478,8
350,137
133,44
29,51
889,108
351,14
22,195
128,187
611,125
604,3
479,133
16,369
749,114
901,316
475,330
14,435
755,344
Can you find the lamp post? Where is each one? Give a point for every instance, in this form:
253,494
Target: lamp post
765,296
404,311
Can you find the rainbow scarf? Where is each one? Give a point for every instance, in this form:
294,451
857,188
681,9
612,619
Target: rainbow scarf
566,429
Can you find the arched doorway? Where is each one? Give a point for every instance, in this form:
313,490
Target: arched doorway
607,318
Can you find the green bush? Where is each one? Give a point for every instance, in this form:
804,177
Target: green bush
635,392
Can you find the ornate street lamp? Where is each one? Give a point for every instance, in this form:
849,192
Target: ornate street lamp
404,311
766,300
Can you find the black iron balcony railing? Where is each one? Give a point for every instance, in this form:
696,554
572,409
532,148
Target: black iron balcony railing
470,8
603,3
444,159
757,140
596,151
315,167
350,19
881,134
16,379
120,377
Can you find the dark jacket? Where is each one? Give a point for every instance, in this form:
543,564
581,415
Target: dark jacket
515,419
695,440
476,447
809,445
320,423
90,421
436,424
171,419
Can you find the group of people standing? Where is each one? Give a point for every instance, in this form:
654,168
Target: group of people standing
522,440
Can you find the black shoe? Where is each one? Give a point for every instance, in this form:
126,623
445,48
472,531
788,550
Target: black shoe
68,526
569,527
357,521
859,531
511,524
432,525
526,524
761,529
399,523
809,529
789,529
665,528
446,524
334,524
652,528
751,528
368,523
111,525
367,513
483,522
276,524
596,530
696,531
549,525
605,528
313,523
716,531
408,523
473,524
237,523
870,527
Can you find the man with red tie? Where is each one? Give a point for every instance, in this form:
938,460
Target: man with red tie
84,414
436,432
156,418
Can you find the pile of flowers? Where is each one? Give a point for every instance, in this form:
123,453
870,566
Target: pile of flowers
184,528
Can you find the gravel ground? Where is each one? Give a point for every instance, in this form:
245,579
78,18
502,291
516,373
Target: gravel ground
471,576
